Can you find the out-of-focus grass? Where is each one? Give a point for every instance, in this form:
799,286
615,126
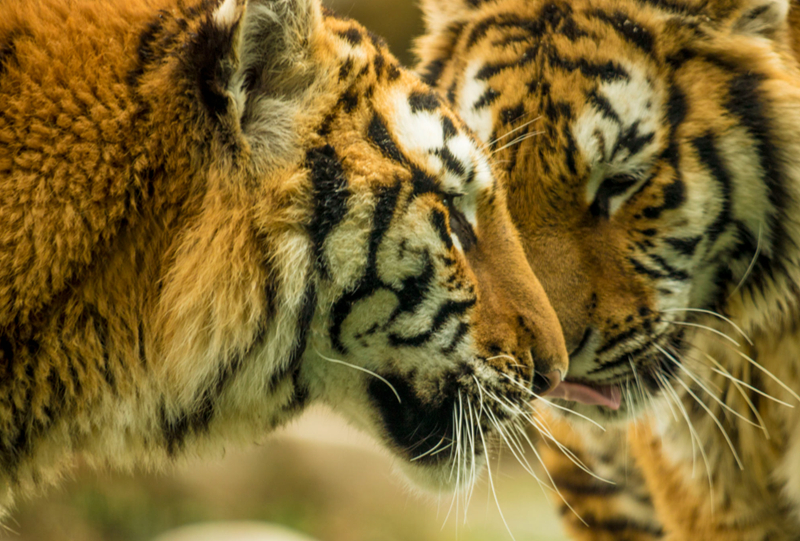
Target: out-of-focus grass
319,477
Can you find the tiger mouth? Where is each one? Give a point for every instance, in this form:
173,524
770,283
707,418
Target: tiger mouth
609,396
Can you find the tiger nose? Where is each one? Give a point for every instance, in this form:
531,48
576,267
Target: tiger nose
544,383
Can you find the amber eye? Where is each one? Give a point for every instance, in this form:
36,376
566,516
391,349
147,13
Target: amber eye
459,224
611,187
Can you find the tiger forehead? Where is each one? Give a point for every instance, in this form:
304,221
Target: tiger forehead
405,120
539,72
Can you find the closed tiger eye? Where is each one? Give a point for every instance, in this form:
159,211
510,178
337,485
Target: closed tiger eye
459,224
610,187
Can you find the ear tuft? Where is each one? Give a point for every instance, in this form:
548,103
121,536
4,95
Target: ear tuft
441,14
766,18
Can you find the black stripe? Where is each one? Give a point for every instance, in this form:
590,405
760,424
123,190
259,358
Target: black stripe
330,193
585,487
616,339
674,6
369,283
451,163
379,134
352,35
706,148
746,102
206,60
672,272
602,104
685,246
487,98
632,141
458,336
607,71
423,101
432,71
626,27
447,310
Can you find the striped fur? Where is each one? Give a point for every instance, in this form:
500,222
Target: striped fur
207,211
651,159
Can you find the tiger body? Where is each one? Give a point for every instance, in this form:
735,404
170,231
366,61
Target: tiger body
207,211
650,150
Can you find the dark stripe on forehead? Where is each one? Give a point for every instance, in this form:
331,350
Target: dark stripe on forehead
379,134
329,193
607,71
552,17
602,104
674,6
631,31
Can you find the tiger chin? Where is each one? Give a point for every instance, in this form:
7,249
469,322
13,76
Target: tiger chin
651,160
213,214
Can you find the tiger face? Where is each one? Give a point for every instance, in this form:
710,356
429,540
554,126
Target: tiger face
638,141
273,213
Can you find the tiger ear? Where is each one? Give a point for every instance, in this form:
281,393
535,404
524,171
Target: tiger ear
443,20
441,14
251,59
765,18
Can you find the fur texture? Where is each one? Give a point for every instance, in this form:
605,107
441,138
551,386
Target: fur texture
651,159
212,214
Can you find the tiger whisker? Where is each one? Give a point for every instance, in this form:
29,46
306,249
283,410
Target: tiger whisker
709,329
429,451
551,404
750,267
721,370
706,408
491,484
696,379
510,132
715,314
362,369
769,374
518,140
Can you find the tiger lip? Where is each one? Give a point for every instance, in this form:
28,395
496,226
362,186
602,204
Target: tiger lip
600,395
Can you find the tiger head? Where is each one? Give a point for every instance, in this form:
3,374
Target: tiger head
650,169
397,287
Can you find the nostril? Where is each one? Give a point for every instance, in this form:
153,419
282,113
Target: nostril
544,383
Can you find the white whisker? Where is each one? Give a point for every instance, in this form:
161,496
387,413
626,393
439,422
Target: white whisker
709,329
362,369
715,314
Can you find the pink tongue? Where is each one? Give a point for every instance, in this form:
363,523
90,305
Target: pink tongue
594,396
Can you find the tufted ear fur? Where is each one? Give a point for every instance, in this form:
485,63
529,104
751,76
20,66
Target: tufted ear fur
253,63
440,14
443,18
765,18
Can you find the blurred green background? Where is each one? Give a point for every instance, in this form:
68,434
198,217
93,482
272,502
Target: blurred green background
318,476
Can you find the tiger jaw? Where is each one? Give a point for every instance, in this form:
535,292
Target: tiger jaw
443,438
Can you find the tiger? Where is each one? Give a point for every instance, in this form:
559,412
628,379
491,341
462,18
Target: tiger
213,214
649,150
